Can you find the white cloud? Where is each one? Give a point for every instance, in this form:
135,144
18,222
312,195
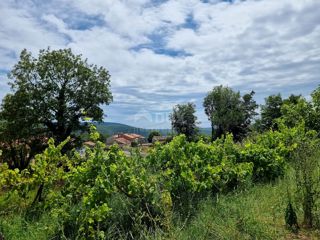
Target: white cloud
174,51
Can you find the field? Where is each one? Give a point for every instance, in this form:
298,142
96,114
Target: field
158,119
256,213
178,190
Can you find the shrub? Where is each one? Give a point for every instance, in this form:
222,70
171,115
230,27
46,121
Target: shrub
113,195
106,193
195,167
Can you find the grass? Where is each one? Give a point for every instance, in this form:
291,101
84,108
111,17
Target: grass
17,227
17,223
257,213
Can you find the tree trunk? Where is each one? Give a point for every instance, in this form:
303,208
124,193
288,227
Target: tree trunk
212,132
38,197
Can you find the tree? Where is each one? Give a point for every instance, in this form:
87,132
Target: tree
270,111
316,107
53,92
293,113
273,109
292,99
249,107
50,95
229,112
152,134
184,121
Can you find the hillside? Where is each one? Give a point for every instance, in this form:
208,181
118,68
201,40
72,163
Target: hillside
111,128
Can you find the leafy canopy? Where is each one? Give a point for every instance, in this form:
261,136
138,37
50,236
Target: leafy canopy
271,111
52,92
153,134
184,120
228,112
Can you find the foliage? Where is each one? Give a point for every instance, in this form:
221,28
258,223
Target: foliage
316,107
152,134
53,92
256,213
307,169
293,114
195,167
98,182
184,120
102,194
45,173
271,151
228,112
18,153
264,151
270,111
297,109
291,218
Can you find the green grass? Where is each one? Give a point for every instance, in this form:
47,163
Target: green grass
18,222
257,213
17,227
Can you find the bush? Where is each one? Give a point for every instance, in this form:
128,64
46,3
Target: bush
152,134
270,152
106,193
195,167
114,195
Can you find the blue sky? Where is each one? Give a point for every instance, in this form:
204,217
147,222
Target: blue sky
161,53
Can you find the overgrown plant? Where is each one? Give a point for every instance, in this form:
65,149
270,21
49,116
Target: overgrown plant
291,218
307,170
104,193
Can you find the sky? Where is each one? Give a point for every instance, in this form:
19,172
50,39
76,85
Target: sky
162,53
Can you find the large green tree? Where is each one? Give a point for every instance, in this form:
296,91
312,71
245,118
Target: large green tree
270,111
50,94
293,113
53,92
229,112
184,120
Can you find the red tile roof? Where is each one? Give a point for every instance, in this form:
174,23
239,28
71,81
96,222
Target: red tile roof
136,135
128,136
121,140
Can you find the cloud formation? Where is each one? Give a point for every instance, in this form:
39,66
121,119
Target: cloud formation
160,53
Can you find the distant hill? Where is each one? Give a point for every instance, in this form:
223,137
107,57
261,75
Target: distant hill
111,128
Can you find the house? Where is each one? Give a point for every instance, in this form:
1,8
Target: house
125,139
89,144
161,139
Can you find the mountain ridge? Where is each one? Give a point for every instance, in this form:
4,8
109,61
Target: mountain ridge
111,128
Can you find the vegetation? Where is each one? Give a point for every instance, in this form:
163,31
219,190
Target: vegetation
153,134
241,185
108,194
228,112
184,120
270,112
110,128
307,169
51,94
